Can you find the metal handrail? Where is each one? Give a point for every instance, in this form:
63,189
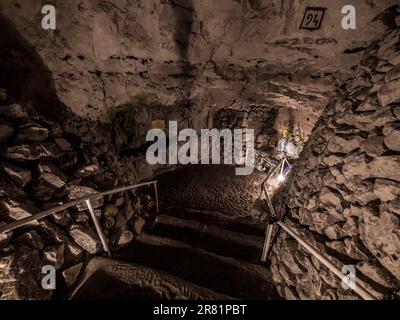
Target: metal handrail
269,231
256,153
358,287
19,223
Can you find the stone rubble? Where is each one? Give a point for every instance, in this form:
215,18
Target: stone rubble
6,131
19,175
71,274
44,166
31,239
20,275
344,198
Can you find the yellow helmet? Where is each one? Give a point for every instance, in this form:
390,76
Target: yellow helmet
286,133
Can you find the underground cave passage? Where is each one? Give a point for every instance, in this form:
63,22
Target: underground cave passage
100,199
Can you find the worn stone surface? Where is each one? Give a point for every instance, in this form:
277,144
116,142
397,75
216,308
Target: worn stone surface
377,274
78,192
31,239
32,132
217,55
13,111
71,274
195,36
86,239
347,247
137,225
20,276
16,209
6,131
73,252
63,144
19,175
380,235
35,151
121,238
125,214
45,168
386,167
54,256
68,160
389,93
88,171
62,218
5,236
158,285
204,187
51,175
392,140
386,190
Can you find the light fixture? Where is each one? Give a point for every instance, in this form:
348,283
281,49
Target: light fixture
282,176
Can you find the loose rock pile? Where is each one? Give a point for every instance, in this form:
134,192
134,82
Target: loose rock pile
43,166
344,195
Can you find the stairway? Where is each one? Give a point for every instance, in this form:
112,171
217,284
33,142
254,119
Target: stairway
221,257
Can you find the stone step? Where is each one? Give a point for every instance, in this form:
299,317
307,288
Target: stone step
213,239
108,279
220,274
246,225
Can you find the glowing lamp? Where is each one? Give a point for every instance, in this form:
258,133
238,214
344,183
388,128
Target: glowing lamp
281,178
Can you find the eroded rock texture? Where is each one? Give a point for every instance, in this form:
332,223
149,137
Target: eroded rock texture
214,54
344,194
20,275
134,281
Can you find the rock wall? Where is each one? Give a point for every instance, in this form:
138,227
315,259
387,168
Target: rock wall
210,53
182,60
343,196
43,165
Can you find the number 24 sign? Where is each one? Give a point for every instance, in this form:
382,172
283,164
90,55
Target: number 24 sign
312,19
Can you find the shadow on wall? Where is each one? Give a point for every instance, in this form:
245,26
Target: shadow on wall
388,17
23,73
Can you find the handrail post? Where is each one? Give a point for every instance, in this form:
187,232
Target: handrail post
36,217
270,227
156,195
358,287
267,242
98,228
